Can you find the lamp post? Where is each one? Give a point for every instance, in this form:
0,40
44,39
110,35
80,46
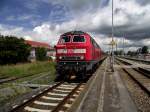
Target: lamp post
124,45
112,39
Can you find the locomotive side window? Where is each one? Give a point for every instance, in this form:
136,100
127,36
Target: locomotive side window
65,39
94,43
78,39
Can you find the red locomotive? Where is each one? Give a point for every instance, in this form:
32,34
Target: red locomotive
78,52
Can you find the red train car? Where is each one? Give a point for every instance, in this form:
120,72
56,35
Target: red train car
76,51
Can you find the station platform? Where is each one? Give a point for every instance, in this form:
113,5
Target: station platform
106,93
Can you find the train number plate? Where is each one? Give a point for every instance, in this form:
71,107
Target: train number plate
70,50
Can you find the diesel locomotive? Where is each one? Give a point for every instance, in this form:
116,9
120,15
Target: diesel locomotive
77,52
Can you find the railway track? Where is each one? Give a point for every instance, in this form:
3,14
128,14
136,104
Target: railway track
141,78
137,60
145,72
5,80
11,79
59,97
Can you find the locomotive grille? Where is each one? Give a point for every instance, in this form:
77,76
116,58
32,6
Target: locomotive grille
71,58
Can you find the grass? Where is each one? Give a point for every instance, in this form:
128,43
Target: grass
21,70
12,92
37,72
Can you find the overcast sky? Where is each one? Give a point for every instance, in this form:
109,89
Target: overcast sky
45,20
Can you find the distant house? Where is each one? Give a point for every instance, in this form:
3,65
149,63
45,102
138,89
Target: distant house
34,45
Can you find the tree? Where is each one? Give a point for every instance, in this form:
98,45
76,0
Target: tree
132,53
139,51
41,54
144,50
13,50
119,52
129,52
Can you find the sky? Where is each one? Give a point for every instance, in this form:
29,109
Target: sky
46,20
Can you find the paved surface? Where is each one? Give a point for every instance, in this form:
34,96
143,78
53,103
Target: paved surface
107,93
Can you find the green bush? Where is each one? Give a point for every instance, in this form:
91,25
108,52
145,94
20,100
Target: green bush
41,54
13,50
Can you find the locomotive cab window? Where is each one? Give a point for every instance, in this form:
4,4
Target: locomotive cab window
79,39
65,39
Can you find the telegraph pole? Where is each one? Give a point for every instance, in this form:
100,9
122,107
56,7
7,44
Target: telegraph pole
112,52
116,46
123,45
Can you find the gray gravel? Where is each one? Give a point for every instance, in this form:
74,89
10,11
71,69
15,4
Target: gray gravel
141,99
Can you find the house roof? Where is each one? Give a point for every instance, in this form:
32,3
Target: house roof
38,44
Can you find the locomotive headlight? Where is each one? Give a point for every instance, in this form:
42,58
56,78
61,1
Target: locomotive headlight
81,57
79,50
60,57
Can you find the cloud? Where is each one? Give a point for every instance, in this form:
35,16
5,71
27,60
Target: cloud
59,13
10,30
10,18
24,17
32,5
77,5
143,2
131,20
21,17
27,37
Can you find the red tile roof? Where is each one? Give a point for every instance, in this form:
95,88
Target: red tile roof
38,44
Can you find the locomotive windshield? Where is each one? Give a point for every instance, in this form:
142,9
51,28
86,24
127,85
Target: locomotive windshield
78,39
65,39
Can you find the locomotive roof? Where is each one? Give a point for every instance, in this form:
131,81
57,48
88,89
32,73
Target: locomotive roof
75,33
78,33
